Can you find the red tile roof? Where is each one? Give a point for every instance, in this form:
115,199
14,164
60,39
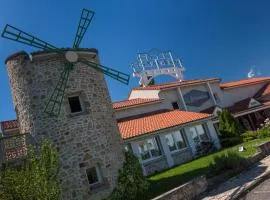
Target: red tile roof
133,102
175,84
265,91
242,106
10,124
146,124
244,82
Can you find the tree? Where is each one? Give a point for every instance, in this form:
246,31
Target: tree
131,183
228,126
36,179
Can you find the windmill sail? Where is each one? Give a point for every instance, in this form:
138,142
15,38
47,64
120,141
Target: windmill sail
53,106
85,20
15,34
117,75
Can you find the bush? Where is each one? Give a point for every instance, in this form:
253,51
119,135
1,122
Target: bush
228,126
131,183
264,132
229,142
249,135
205,147
226,161
36,179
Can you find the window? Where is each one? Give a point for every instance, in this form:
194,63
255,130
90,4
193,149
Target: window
175,141
149,149
93,175
128,147
198,133
175,105
75,104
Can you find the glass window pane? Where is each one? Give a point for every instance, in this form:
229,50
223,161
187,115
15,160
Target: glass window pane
170,142
153,147
128,147
201,132
179,140
143,150
194,135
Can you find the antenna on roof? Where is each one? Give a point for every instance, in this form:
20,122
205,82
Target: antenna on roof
155,63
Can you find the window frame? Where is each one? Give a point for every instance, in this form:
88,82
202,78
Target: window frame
182,133
156,143
199,135
80,101
99,177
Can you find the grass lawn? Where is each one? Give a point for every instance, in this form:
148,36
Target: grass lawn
166,180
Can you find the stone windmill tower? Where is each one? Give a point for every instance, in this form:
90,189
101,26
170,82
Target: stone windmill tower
61,94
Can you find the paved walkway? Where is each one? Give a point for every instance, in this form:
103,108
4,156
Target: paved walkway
236,185
261,192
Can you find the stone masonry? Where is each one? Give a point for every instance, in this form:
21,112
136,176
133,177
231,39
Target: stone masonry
85,140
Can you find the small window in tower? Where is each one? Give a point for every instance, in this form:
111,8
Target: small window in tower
75,104
175,105
93,175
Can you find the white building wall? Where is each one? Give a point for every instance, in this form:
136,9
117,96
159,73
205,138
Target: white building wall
213,134
230,96
170,96
141,109
216,90
144,94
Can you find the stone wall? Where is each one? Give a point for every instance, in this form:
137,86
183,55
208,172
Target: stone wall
88,139
188,191
264,148
182,156
155,165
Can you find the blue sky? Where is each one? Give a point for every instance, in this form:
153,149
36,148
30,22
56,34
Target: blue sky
213,38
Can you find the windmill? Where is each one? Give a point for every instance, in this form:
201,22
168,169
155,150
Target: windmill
53,106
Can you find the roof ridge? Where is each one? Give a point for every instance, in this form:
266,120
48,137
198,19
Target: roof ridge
133,99
164,85
246,81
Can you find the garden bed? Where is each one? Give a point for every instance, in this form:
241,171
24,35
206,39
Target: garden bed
171,178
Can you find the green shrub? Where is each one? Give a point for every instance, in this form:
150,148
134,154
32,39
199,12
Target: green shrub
249,135
37,178
229,142
264,132
131,183
228,126
226,161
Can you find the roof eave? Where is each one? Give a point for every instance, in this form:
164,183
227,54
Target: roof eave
160,131
138,105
